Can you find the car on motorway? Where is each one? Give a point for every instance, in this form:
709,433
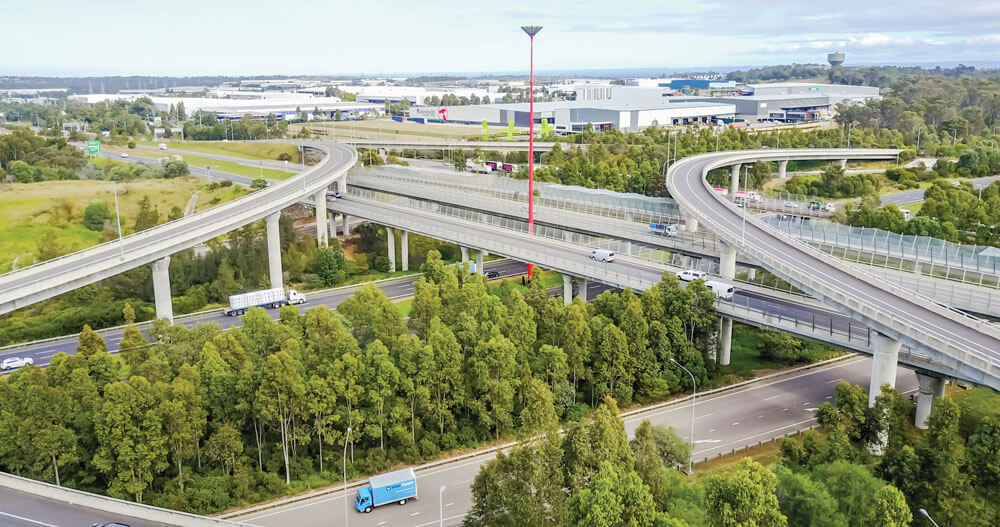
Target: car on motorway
333,195
14,363
791,205
690,274
492,275
163,146
124,154
110,524
603,255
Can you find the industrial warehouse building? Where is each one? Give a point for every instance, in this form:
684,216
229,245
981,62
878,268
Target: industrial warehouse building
573,116
284,106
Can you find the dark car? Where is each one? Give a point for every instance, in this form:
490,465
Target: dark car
110,524
492,275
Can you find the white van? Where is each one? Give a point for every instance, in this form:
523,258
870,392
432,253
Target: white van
906,214
163,146
722,290
603,255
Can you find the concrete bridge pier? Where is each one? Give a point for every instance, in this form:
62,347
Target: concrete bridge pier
404,252
161,289
931,387
581,292
727,269
783,169
274,250
885,356
480,255
567,289
690,224
465,254
734,183
345,228
843,164
391,239
321,222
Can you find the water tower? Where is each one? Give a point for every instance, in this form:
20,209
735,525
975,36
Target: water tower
835,59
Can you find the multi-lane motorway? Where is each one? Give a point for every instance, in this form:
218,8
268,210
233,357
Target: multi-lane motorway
728,420
21,509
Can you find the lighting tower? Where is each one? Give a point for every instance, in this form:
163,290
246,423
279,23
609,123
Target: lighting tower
531,31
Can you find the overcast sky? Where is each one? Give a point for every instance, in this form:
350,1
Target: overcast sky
247,37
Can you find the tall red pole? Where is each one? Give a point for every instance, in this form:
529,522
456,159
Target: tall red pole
531,146
531,31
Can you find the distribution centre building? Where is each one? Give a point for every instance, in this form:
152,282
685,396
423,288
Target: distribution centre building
573,116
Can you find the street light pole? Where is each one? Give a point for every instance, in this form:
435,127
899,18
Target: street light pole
531,31
121,242
346,440
928,516
694,394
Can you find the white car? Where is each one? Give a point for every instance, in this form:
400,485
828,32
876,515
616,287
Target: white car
14,363
124,154
690,275
791,205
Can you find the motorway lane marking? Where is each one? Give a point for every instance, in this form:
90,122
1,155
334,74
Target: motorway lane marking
760,417
829,397
704,416
811,409
435,522
22,518
449,504
712,430
771,397
415,513
833,381
736,423
381,522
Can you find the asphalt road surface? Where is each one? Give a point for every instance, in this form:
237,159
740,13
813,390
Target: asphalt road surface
756,412
20,509
917,195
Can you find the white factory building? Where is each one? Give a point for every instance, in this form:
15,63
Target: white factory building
573,116
284,107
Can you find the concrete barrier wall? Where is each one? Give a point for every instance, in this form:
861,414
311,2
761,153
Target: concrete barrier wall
111,505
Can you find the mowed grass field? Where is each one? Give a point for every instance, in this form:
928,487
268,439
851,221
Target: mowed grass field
216,164
248,150
386,129
28,212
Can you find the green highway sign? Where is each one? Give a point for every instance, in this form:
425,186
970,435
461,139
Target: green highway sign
93,148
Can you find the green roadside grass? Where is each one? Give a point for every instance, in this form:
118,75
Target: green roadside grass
248,150
976,404
236,168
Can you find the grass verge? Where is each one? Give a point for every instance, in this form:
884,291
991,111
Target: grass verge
248,150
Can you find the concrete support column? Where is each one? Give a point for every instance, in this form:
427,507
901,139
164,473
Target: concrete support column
725,340
405,250
274,250
391,238
727,262
783,169
567,289
161,289
345,228
480,255
885,354
751,274
931,387
465,254
843,163
581,293
690,224
320,198
734,183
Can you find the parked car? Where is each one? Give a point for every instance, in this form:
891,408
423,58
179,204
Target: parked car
14,363
690,274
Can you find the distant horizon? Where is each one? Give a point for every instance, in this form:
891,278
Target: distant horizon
641,71
378,37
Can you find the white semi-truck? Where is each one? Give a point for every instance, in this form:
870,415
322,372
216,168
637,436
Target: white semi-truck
266,298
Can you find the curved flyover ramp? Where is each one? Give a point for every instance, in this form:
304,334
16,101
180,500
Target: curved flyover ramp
961,346
47,279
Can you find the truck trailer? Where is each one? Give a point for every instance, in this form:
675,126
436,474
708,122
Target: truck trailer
398,486
266,298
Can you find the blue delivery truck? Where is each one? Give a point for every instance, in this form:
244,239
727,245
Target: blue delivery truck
397,486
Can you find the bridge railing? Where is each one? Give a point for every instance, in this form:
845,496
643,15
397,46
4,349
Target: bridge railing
953,261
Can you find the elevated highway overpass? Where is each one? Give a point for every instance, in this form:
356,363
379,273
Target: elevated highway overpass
154,246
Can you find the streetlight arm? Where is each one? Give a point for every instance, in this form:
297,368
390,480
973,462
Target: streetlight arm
694,395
